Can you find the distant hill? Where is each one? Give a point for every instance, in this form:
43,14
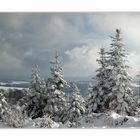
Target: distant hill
82,85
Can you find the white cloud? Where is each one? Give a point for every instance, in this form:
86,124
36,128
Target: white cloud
134,63
82,61
106,23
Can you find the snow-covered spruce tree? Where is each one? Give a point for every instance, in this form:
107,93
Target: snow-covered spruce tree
88,98
36,101
137,95
4,107
56,97
90,89
97,93
119,97
138,82
35,79
76,105
57,74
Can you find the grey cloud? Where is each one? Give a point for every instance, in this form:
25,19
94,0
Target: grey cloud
33,38
28,38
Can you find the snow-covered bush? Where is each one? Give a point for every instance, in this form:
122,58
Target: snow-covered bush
102,120
11,115
46,122
14,117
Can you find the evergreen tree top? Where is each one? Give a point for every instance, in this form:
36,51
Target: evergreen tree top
35,70
116,41
103,57
75,89
36,80
57,73
56,61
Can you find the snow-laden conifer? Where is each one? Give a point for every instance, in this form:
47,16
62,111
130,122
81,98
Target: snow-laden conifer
138,83
35,102
76,105
120,96
56,97
4,107
57,73
97,93
36,81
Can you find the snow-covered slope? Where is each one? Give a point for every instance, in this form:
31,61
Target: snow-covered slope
94,120
36,123
102,120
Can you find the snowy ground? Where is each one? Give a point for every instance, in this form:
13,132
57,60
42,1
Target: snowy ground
113,120
100,120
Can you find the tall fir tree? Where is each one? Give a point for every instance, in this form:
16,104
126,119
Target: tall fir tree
37,99
14,117
56,96
97,93
35,79
120,96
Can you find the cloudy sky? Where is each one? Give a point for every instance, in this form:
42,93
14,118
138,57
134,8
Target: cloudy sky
29,38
